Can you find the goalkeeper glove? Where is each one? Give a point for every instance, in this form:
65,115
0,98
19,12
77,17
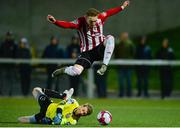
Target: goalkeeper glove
57,119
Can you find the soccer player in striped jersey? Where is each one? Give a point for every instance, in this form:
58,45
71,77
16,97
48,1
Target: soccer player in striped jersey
94,45
66,112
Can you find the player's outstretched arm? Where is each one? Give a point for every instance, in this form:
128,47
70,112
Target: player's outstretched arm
51,19
63,24
114,11
125,4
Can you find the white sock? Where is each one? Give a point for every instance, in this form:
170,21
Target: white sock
27,119
73,70
37,91
109,48
32,119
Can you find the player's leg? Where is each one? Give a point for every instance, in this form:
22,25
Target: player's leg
43,101
27,119
37,92
71,70
67,94
53,94
37,118
74,70
109,48
84,61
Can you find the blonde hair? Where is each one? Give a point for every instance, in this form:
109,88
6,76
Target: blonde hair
92,12
89,107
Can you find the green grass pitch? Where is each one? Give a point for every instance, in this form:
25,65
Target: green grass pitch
125,112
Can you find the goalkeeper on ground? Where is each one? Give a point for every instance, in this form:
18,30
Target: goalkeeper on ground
66,112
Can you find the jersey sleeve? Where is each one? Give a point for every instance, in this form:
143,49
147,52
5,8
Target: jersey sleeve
104,15
64,24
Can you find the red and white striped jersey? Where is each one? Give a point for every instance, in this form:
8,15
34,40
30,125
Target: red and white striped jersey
89,37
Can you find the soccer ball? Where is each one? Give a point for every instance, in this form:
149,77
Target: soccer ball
104,117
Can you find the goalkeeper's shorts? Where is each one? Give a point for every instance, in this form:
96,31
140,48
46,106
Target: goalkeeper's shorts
87,58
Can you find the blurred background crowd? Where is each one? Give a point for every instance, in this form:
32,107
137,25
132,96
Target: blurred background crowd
14,75
147,30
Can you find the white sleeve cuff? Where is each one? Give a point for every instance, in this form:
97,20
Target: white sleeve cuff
122,7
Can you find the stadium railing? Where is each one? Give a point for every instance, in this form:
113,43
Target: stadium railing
90,77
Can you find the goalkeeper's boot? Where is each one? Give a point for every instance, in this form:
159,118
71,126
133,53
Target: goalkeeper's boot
58,72
102,70
68,93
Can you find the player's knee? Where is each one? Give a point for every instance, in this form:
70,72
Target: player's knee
36,90
77,70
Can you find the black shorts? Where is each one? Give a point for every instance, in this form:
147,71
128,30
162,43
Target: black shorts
87,58
44,101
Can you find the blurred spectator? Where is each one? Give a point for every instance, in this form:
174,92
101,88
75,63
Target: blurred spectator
101,83
166,72
24,69
125,49
52,51
73,51
143,52
8,49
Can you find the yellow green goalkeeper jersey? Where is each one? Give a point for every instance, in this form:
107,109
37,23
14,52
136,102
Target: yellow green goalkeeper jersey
67,111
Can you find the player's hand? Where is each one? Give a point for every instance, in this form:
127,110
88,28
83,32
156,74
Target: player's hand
126,3
57,119
51,19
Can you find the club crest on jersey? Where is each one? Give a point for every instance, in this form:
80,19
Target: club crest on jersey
68,115
95,29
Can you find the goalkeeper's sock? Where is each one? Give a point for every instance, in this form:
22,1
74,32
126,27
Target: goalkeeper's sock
27,119
32,119
109,48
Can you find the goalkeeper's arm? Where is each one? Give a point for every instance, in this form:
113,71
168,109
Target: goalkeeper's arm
58,118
